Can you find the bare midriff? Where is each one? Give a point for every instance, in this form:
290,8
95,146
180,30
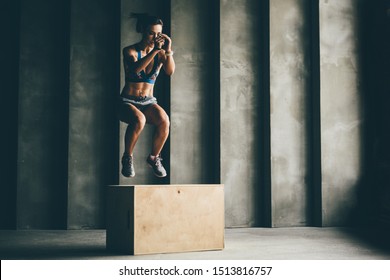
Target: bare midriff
137,89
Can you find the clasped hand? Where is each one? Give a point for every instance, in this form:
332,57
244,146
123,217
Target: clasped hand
163,41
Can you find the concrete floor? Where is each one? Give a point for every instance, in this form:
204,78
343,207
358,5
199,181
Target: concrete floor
302,243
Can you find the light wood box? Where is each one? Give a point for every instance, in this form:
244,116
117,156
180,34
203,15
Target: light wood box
149,219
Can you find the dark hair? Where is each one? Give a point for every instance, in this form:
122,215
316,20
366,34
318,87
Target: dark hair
144,20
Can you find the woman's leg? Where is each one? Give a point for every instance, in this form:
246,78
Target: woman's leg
136,122
156,116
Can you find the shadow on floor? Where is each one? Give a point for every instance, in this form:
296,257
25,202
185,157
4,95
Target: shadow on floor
374,237
50,245
55,252
252,243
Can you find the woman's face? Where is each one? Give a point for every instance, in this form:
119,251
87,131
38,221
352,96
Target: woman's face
151,33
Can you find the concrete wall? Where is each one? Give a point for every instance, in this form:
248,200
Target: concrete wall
289,80
9,70
94,72
67,129
341,110
42,120
239,109
68,135
193,93
374,74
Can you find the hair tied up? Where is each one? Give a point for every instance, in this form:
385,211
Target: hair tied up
141,18
144,20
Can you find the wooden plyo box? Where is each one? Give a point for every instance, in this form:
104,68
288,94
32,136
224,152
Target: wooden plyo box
149,219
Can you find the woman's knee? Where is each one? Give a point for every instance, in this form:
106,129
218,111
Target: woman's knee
139,121
129,114
164,120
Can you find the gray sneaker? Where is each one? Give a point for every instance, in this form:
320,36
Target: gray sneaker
157,166
127,166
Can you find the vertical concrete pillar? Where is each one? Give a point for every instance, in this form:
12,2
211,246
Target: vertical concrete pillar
93,132
289,80
42,119
128,37
341,114
193,91
239,72
9,26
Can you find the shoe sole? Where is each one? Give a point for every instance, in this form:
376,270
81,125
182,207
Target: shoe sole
155,173
130,176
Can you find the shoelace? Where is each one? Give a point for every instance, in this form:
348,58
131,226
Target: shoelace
128,160
157,161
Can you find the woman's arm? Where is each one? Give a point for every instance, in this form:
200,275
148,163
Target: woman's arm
169,62
135,65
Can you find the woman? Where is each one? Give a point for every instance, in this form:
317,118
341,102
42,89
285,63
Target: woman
142,63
